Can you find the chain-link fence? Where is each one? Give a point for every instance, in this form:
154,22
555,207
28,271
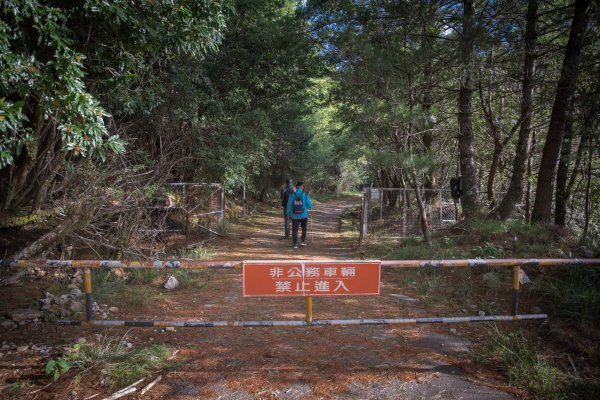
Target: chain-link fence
394,212
186,208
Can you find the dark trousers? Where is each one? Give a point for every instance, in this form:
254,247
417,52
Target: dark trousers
295,224
286,223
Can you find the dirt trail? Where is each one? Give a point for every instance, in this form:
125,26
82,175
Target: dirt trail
376,362
260,236
358,362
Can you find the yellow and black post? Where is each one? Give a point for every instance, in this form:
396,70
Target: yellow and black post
309,310
515,296
87,288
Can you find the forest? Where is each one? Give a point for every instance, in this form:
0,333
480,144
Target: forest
104,104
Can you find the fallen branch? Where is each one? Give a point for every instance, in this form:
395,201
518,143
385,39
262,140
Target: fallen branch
173,355
121,393
132,385
150,385
40,389
78,218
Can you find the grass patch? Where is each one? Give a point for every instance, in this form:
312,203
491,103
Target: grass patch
425,281
350,219
195,253
107,288
525,366
116,364
144,276
487,228
192,279
488,250
328,196
571,295
413,248
14,390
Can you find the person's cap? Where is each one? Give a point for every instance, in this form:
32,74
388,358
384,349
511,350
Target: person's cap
299,183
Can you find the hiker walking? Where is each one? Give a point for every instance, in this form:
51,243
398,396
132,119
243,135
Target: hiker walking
297,208
286,192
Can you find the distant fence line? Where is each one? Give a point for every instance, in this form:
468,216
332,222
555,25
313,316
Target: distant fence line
393,212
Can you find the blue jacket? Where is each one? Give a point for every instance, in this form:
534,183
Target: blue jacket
305,200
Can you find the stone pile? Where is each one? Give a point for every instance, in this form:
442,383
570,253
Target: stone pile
21,317
59,275
75,280
72,304
8,348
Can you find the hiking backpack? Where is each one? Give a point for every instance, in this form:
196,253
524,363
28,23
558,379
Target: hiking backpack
298,204
456,187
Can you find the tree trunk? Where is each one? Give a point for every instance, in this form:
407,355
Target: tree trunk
588,205
562,174
470,178
528,178
542,208
422,210
498,147
515,189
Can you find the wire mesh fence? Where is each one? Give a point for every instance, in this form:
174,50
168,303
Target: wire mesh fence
188,209
394,213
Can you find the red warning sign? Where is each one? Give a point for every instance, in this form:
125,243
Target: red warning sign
311,278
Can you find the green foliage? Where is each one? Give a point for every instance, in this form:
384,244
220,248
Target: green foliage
189,279
45,86
110,289
488,250
144,276
195,253
525,366
58,367
572,295
115,363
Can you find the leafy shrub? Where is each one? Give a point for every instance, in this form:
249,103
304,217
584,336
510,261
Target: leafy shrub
488,250
57,367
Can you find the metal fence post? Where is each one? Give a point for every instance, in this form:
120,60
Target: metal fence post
222,210
244,201
516,284
363,218
380,203
441,205
87,288
309,310
404,207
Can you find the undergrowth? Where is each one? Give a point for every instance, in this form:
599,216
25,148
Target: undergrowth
480,239
571,295
525,365
195,279
107,288
116,364
195,253
141,286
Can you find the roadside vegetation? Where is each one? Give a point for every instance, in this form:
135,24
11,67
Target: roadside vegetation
556,360
112,360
